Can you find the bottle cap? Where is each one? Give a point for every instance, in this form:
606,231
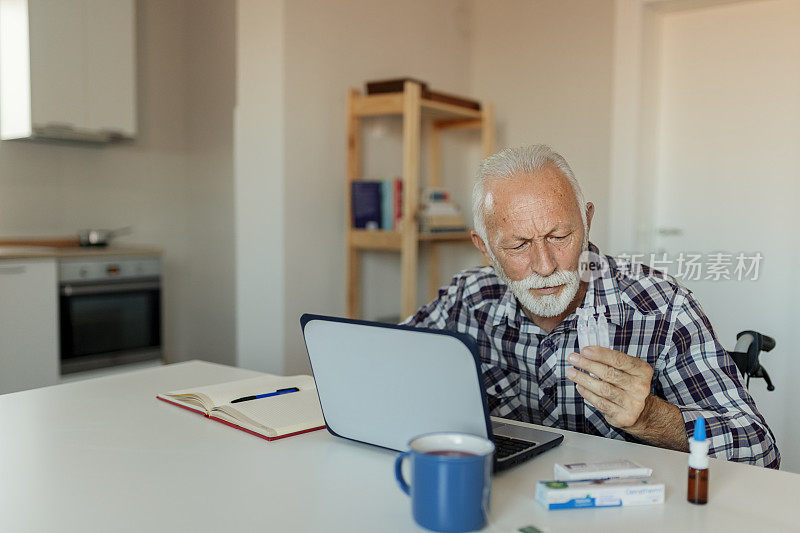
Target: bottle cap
700,429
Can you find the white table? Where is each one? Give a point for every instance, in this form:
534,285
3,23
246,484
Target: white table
105,455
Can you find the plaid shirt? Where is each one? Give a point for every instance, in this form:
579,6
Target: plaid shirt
650,316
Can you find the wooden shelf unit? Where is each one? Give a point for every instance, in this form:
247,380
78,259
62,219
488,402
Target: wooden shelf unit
438,117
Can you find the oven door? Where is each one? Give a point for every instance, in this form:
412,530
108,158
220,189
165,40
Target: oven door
106,324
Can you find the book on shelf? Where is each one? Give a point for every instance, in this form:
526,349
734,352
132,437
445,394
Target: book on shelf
387,205
442,223
288,405
439,214
377,204
432,196
366,201
398,203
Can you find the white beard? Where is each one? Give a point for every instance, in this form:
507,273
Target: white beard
548,305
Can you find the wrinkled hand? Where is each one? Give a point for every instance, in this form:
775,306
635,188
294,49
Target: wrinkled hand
622,392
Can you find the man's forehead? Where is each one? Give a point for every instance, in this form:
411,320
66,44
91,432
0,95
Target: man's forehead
547,188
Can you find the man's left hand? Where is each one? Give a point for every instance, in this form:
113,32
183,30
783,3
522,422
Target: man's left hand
622,392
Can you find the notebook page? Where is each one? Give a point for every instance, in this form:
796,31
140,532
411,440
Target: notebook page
200,401
223,393
283,414
255,428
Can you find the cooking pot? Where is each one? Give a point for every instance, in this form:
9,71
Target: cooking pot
100,237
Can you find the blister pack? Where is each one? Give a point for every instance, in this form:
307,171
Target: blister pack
592,330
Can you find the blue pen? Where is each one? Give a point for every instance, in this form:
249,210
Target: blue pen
267,395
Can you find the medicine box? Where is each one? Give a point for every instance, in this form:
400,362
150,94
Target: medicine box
599,493
601,470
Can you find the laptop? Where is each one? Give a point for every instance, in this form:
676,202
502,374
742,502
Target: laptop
383,384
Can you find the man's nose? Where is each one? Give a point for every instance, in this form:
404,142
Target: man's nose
543,261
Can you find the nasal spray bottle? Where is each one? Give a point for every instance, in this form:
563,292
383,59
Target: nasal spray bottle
698,464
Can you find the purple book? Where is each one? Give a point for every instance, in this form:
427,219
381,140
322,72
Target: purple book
366,204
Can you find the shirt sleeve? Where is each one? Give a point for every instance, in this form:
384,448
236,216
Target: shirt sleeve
701,379
435,314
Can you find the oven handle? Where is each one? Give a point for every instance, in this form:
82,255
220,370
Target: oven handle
105,288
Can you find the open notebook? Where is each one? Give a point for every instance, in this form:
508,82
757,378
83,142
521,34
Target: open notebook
270,418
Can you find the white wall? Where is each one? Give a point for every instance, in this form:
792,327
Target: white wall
302,56
331,46
547,66
259,185
152,183
210,300
296,61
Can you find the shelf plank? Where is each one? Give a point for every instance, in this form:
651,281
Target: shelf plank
440,109
458,124
375,239
392,104
378,104
391,240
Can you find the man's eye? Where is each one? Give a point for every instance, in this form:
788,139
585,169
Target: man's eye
520,247
558,238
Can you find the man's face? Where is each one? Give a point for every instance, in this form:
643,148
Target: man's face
536,235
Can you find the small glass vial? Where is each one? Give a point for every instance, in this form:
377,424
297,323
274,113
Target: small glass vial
698,464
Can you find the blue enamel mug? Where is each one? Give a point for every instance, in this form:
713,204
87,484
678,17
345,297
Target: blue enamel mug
451,480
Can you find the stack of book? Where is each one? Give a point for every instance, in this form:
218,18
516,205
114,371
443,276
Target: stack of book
377,204
439,213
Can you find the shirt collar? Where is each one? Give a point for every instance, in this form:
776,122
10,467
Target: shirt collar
508,309
602,296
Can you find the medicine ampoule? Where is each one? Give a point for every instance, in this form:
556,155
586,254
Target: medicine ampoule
698,464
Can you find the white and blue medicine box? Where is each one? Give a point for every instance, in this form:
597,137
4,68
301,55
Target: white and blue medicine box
622,468
599,493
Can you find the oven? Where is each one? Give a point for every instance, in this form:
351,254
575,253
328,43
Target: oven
110,311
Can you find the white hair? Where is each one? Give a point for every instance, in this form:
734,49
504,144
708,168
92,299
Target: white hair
516,162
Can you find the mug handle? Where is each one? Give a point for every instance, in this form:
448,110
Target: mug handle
398,472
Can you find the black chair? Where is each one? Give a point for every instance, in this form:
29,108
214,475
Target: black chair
749,345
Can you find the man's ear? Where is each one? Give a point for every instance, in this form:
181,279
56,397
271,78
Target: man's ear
480,245
589,214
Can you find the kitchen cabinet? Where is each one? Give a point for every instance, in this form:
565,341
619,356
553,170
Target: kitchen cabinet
29,353
72,74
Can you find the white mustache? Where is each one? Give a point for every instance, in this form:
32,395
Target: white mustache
535,281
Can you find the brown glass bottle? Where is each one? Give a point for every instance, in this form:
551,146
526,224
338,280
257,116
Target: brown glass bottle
698,486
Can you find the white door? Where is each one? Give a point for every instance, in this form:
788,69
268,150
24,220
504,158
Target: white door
728,178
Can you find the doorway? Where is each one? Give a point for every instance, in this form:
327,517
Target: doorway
719,170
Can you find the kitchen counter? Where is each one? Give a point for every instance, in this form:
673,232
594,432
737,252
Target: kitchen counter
59,252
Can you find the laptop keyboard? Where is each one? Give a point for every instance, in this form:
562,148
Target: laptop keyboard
506,446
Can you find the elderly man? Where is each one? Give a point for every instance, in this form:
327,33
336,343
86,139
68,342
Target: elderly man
665,366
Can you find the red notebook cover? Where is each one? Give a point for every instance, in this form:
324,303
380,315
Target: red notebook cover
199,412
